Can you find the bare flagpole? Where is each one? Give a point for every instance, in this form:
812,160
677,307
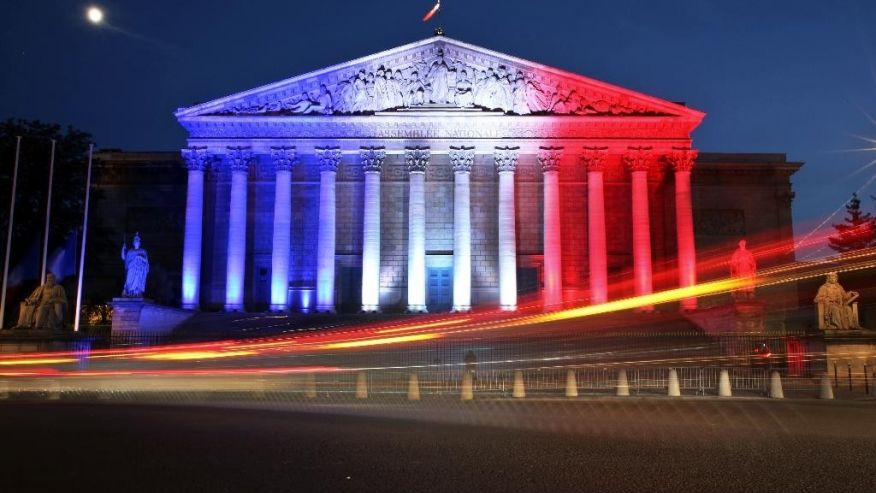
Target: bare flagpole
82,247
9,233
48,216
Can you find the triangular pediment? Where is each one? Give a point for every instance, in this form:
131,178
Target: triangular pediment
440,73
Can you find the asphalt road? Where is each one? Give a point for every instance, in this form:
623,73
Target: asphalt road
599,444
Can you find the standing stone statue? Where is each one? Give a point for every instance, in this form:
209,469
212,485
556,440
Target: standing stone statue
837,308
743,266
45,307
136,269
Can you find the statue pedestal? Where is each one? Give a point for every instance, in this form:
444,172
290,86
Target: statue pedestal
140,316
739,317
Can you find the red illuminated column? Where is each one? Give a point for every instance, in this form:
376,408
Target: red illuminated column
638,159
594,159
506,164
549,158
682,160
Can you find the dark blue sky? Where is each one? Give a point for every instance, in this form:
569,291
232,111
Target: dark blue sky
773,75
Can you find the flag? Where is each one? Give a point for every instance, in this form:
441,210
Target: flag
432,12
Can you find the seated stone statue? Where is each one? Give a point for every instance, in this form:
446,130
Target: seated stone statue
45,307
837,308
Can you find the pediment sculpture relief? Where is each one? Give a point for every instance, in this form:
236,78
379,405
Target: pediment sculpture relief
440,81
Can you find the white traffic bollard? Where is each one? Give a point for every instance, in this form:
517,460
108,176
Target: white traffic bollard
623,386
361,385
724,384
776,386
413,388
571,384
467,386
310,386
519,390
826,388
674,389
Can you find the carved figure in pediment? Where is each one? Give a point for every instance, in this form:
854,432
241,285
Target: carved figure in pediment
360,101
381,91
479,89
464,90
394,89
535,95
415,90
436,78
520,106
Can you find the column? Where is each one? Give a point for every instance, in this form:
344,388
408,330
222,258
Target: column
372,161
239,159
283,159
638,160
682,161
506,164
549,158
462,159
329,158
197,160
417,159
594,159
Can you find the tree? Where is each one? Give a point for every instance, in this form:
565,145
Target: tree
858,230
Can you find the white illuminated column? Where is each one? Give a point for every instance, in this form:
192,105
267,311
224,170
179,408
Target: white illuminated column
594,160
462,159
682,160
372,161
329,158
506,164
417,158
639,159
549,158
196,159
239,159
283,158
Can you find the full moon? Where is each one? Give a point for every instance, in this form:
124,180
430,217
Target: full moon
95,15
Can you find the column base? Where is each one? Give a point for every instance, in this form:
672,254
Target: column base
370,309
325,309
229,307
190,306
461,309
645,309
508,308
417,309
278,308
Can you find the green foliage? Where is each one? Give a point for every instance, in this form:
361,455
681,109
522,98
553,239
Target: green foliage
858,231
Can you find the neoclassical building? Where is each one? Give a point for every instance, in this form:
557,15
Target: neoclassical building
440,175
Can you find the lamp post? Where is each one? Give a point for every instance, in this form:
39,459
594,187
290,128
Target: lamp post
82,247
9,232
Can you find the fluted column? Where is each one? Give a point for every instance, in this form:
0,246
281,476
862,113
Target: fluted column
283,158
638,160
372,161
197,160
594,160
462,159
417,159
506,164
239,159
682,161
329,158
549,158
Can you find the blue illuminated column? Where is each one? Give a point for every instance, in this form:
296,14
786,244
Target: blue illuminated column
283,158
197,160
372,160
417,158
329,158
549,158
594,160
239,159
506,164
462,159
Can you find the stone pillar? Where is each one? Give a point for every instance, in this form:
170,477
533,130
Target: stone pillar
329,158
197,160
239,159
594,159
639,159
462,159
682,161
417,159
372,161
506,164
549,158
283,158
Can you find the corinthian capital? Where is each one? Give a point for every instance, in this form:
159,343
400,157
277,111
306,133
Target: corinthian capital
638,158
462,158
197,158
417,159
549,158
329,158
239,158
506,158
283,157
372,158
682,158
593,158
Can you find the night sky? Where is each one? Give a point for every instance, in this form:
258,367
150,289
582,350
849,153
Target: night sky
774,76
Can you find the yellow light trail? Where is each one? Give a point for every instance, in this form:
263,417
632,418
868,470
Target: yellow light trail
380,341
194,355
39,361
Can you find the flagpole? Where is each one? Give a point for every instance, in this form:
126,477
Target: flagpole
48,215
9,233
82,247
